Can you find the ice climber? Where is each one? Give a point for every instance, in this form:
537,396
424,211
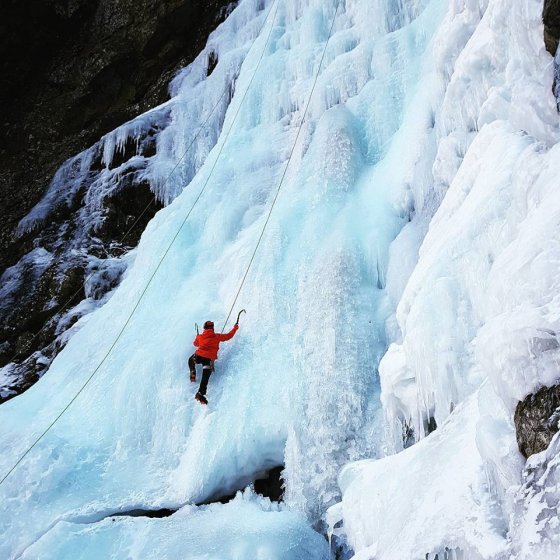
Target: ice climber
206,353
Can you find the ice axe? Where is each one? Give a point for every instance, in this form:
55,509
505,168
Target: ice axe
239,315
196,327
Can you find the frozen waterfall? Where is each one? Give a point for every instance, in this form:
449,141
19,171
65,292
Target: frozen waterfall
402,277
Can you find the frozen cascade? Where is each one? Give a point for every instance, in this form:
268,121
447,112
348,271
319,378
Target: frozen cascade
477,321
337,361
428,126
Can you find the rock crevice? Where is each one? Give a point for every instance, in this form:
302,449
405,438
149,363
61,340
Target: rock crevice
537,420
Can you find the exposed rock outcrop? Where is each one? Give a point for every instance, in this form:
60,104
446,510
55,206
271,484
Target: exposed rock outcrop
76,256
551,20
537,420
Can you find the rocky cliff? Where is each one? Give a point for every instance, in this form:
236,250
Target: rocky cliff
73,71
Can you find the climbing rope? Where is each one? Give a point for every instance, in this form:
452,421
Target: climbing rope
88,380
300,126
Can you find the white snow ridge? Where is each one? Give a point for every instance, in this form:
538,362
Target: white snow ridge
396,305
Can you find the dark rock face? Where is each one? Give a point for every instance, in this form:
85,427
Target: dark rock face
537,419
551,20
74,70
272,485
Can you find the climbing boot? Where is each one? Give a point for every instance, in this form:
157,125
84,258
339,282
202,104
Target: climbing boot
193,375
201,398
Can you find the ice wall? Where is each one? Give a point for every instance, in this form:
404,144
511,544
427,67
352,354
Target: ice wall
477,319
503,91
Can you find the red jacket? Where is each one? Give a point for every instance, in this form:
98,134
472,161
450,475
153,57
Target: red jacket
209,342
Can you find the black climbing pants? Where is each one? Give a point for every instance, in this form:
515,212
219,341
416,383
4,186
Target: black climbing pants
207,369
204,381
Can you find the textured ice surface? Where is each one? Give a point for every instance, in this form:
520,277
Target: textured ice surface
480,309
535,519
244,529
486,216
427,498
